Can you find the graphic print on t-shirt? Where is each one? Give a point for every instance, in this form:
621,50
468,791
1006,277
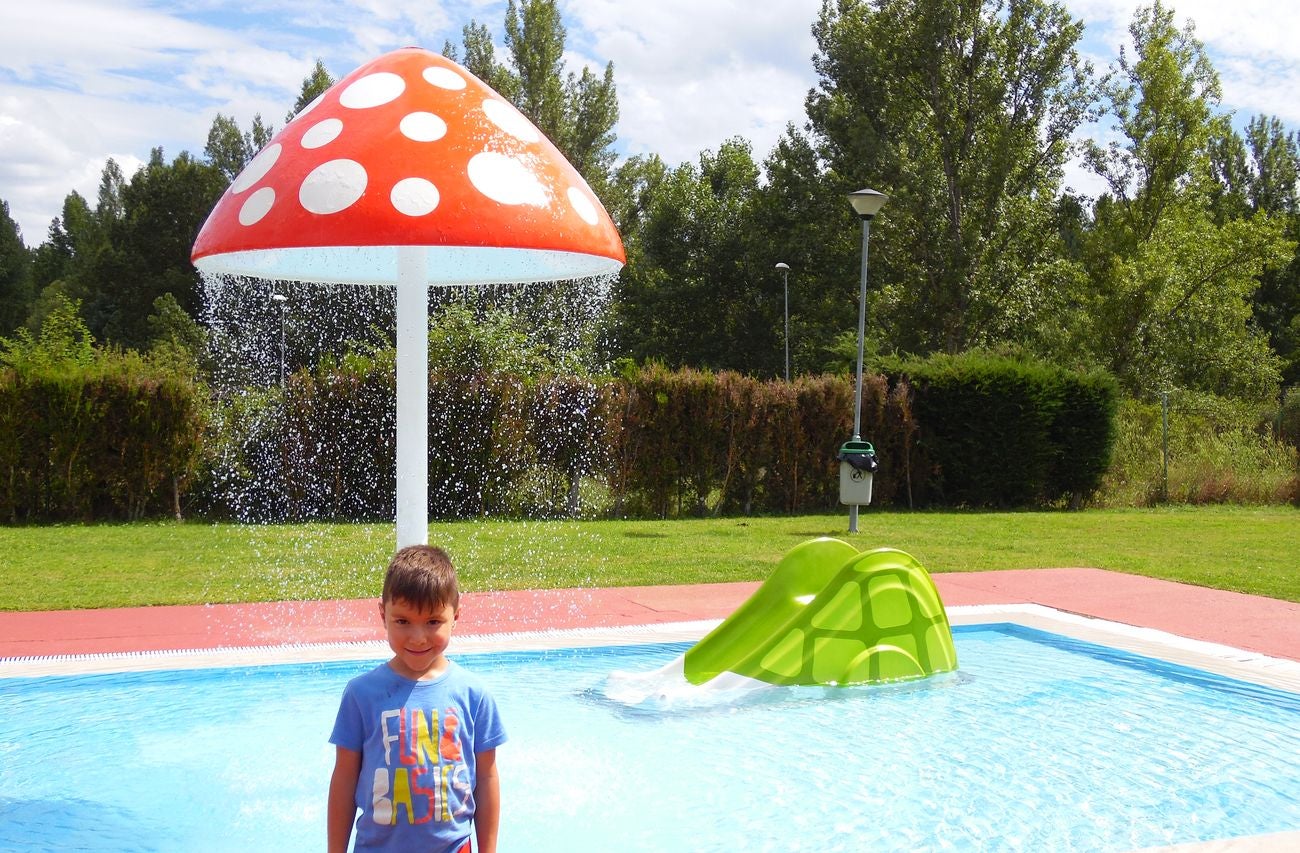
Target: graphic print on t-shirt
424,776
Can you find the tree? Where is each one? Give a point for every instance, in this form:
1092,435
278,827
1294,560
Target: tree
961,111
1273,172
61,340
313,86
1174,255
15,273
576,112
61,265
480,59
791,209
1162,101
229,149
689,298
138,247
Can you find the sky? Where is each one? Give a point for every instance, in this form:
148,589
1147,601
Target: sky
85,80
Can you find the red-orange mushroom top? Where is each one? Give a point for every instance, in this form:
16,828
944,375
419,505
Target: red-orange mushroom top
410,150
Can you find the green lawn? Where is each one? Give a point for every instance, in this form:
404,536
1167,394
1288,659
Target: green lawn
1248,549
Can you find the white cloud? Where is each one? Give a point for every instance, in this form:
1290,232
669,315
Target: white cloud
81,80
692,74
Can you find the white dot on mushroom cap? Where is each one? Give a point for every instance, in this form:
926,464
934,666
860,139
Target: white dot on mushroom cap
582,205
506,180
256,206
322,133
414,196
257,168
333,186
423,127
510,120
372,90
444,78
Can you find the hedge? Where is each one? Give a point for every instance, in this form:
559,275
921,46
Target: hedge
97,442
964,431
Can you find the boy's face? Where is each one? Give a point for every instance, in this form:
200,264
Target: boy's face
418,637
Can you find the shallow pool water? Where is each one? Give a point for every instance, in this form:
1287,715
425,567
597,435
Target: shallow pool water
1038,743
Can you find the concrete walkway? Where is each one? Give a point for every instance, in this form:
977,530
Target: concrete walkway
1252,623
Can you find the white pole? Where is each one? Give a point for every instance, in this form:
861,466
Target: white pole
412,397
862,332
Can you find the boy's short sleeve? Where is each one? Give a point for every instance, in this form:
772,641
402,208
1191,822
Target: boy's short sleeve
348,731
489,732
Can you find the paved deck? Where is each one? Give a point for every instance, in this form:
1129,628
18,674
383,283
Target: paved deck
1252,623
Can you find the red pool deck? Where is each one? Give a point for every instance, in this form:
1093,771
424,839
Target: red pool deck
1252,623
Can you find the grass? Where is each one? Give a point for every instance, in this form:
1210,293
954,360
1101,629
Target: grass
1246,549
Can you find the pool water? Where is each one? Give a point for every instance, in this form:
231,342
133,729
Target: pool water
1038,743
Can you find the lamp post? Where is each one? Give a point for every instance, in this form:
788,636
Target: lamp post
785,281
283,301
866,204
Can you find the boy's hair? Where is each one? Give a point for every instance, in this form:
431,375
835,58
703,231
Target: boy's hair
422,576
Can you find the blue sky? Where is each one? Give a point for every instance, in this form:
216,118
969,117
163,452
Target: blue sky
84,80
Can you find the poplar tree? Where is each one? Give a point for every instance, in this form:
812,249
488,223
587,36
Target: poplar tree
1173,261
577,112
962,111
15,273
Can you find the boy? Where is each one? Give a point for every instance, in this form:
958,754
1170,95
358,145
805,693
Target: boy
416,737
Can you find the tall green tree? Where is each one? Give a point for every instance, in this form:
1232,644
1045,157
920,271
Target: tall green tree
577,112
15,273
481,59
962,111
1172,266
691,297
791,210
145,251
75,240
229,148
313,86
1272,172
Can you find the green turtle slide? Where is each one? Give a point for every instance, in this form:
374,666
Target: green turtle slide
829,615
832,615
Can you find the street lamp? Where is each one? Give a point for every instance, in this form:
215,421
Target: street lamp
283,301
785,279
866,204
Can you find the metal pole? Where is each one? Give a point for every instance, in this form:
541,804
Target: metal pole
1164,446
282,301
785,277
862,331
281,344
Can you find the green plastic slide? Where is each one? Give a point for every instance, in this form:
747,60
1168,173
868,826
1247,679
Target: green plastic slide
832,615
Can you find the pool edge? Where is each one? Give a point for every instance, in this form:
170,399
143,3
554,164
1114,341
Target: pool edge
1227,661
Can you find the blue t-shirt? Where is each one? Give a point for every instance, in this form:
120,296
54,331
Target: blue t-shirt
417,741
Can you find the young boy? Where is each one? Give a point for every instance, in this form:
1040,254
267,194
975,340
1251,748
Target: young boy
416,737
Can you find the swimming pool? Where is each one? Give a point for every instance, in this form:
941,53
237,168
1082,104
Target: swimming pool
1041,742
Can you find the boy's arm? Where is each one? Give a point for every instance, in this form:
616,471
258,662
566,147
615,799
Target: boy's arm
487,801
342,810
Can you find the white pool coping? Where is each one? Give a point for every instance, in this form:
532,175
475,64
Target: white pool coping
1251,667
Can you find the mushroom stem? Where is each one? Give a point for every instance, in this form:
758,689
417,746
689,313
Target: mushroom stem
412,397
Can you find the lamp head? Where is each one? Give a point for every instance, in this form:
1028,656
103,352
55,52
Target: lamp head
783,266
867,203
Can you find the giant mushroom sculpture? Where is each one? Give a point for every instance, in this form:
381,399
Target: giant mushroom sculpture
411,172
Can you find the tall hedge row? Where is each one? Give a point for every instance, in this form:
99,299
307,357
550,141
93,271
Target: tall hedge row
95,442
1003,433
962,431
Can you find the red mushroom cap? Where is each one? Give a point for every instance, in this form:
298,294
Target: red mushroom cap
409,150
